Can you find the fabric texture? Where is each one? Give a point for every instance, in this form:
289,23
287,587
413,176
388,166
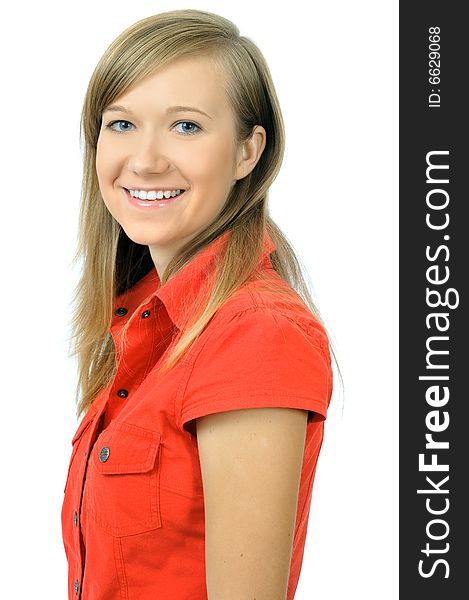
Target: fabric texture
133,509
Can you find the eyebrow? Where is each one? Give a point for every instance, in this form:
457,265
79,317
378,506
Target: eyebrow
170,110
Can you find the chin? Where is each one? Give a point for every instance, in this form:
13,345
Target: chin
139,237
147,238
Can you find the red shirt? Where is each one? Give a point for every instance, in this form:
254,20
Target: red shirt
133,509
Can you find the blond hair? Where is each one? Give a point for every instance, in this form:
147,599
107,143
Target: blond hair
112,263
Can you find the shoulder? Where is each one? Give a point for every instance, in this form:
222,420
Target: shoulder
258,352
273,308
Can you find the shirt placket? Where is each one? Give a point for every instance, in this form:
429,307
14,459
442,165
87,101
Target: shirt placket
79,548
143,345
98,410
130,372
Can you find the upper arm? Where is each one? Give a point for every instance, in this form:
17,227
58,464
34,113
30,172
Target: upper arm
251,462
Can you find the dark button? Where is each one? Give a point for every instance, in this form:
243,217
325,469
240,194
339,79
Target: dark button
75,518
123,393
75,586
84,453
120,312
104,454
145,314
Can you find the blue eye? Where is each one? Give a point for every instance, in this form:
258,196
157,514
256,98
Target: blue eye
112,123
188,123
185,130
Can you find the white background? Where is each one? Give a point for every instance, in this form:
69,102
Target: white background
334,65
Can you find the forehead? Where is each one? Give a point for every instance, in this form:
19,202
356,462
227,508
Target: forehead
187,81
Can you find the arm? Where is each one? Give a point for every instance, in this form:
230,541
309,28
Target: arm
251,462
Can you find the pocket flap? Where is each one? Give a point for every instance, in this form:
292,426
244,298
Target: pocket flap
125,448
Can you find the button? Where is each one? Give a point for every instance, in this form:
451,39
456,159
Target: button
120,312
145,314
122,393
104,454
75,518
75,586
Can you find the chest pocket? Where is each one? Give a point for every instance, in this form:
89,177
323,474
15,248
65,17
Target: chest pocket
122,491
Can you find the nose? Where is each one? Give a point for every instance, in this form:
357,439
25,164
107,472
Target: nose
148,157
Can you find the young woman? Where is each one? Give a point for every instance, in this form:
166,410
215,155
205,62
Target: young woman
204,368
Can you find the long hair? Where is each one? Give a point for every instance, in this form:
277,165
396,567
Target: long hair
112,263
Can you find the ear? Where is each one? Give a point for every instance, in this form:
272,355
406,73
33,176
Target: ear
250,152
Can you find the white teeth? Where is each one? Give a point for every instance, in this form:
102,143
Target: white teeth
154,195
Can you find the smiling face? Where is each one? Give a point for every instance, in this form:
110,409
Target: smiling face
147,141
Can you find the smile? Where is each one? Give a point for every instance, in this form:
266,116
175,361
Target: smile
155,195
153,199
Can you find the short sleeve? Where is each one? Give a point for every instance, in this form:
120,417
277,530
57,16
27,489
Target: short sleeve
259,358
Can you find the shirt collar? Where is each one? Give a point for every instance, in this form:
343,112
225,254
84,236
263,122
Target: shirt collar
185,286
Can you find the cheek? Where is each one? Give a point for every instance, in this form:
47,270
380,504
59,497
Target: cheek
100,163
106,161
212,164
